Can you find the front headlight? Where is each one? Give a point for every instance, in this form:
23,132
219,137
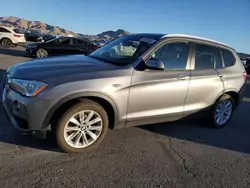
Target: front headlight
28,88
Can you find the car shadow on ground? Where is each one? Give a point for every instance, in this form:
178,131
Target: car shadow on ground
234,137
18,52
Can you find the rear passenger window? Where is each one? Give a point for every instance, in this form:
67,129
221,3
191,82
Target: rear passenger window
207,57
3,30
77,41
228,58
86,42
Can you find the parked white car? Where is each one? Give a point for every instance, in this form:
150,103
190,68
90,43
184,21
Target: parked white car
11,37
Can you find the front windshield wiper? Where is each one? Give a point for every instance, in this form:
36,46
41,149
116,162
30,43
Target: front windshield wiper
102,59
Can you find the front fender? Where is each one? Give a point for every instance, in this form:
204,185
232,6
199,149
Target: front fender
76,96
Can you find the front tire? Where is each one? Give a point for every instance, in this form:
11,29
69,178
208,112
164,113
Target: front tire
222,111
6,43
41,53
82,127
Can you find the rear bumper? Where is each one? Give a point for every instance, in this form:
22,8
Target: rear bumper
241,94
21,40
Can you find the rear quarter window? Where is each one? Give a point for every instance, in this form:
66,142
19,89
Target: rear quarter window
228,58
19,31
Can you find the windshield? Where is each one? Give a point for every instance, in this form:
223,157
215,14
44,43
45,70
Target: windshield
51,40
123,50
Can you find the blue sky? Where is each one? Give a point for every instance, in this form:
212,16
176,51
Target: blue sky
225,20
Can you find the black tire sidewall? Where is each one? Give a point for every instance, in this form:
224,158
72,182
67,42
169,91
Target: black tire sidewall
221,99
84,105
6,46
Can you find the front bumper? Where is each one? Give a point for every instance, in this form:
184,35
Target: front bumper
20,111
31,51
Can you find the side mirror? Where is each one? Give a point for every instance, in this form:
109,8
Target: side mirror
154,64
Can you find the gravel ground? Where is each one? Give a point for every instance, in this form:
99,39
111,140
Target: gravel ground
181,154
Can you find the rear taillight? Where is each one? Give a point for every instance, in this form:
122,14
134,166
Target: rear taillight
15,35
244,75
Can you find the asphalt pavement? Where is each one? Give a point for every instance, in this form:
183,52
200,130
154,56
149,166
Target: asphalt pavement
187,153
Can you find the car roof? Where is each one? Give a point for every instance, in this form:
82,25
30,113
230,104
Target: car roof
155,36
158,36
6,27
195,37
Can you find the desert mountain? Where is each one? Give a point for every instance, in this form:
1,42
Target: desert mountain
46,28
34,25
107,35
113,34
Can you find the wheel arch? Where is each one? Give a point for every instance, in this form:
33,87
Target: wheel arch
7,38
63,104
232,93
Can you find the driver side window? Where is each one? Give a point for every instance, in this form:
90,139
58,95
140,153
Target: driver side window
62,41
173,55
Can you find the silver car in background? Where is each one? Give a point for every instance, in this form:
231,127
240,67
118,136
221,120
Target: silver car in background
134,80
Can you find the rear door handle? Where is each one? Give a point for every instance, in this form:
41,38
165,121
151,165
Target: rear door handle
220,75
183,77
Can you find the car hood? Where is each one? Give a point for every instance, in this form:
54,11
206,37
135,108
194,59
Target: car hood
64,66
34,43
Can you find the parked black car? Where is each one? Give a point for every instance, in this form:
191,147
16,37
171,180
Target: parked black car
60,46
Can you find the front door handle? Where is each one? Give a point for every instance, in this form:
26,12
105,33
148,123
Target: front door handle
183,77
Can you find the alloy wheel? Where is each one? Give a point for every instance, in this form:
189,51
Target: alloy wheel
6,43
42,53
223,112
83,129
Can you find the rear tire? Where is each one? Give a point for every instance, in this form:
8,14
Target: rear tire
6,43
41,53
82,127
222,111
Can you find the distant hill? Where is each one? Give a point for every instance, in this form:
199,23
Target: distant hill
46,28
34,25
107,35
113,34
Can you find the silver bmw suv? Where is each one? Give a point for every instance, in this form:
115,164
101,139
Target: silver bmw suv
134,80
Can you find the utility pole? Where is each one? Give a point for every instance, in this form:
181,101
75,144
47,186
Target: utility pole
161,26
